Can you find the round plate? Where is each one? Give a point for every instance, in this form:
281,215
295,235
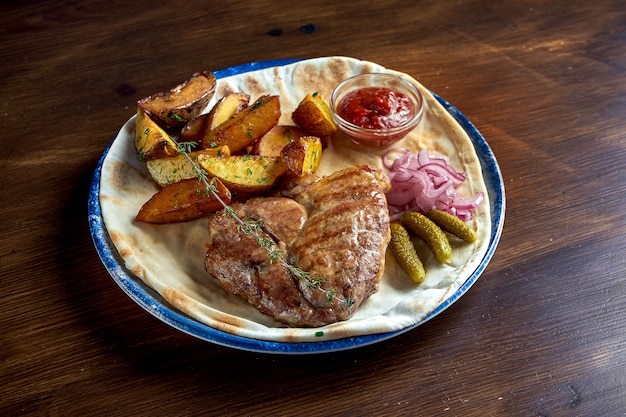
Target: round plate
152,302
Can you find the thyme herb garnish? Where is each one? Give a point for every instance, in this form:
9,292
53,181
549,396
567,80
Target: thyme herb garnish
254,228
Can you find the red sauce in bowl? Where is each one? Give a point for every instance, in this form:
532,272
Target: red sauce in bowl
376,108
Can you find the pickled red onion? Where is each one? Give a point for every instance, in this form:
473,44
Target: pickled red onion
423,182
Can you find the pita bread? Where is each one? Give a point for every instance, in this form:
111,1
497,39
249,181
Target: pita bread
169,258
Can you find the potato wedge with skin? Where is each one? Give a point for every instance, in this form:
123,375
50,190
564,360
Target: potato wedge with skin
227,107
303,155
194,129
183,201
273,142
313,114
183,102
151,141
169,170
246,127
246,174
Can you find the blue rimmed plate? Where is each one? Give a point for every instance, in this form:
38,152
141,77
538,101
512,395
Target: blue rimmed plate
152,302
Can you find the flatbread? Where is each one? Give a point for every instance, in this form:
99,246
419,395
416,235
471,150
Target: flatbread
169,258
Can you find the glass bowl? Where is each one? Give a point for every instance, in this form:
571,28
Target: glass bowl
377,136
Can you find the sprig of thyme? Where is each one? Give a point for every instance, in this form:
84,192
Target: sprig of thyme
254,227
184,148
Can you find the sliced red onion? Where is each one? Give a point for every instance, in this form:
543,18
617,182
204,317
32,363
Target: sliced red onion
425,181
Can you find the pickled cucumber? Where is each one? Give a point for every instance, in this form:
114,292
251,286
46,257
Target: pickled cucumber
405,254
452,225
429,232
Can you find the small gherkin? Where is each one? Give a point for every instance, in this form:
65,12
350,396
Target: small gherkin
452,225
428,231
405,254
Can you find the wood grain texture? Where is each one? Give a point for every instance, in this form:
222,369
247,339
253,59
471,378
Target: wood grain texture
540,334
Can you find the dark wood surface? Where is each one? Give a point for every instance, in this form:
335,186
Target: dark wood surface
541,333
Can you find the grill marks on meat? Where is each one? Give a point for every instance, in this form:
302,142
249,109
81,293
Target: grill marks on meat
335,228
345,237
242,265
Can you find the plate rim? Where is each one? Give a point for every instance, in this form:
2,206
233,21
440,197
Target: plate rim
154,304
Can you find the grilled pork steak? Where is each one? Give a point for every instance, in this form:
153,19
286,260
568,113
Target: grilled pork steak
333,230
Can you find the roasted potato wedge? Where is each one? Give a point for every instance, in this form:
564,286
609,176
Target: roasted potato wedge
194,129
183,102
227,107
169,170
313,115
303,155
246,174
276,139
246,127
151,141
183,201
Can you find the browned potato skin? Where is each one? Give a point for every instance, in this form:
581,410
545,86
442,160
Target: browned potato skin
303,155
313,115
194,129
182,103
183,201
273,142
246,127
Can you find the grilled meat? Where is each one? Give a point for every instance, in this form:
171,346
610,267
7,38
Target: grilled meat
332,233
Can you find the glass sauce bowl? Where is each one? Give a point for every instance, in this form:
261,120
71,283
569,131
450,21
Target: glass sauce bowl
376,109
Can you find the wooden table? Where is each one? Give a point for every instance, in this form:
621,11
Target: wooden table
541,333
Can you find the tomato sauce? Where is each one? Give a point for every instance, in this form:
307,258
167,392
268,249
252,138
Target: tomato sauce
376,108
